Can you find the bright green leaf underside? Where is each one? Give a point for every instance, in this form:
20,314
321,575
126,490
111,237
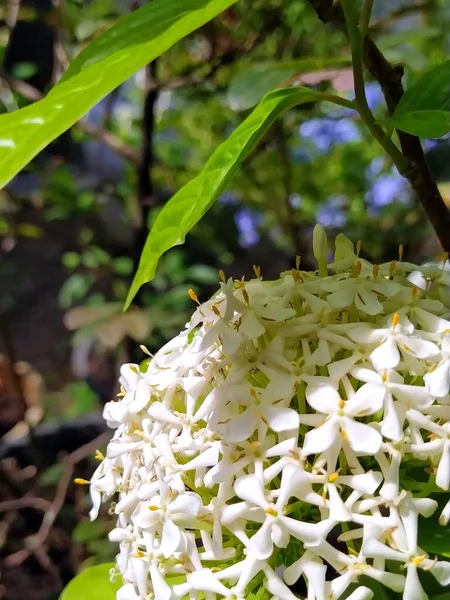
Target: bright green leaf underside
133,42
92,584
190,203
424,109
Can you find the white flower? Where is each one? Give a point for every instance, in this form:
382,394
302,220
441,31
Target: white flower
285,426
340,419
392,342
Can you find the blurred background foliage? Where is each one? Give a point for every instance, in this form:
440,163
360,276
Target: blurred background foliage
72,224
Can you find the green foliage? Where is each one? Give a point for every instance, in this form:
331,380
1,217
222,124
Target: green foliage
188,205
134,41
92,584
434,538
257,80
424,109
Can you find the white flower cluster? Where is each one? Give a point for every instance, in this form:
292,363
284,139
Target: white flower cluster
288,439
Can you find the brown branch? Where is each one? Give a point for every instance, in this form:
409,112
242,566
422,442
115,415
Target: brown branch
35,544
25,502
390,79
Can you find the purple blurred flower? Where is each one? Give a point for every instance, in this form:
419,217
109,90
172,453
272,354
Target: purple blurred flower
333,213
388,188
248,223
325,132
295,200
228,198
374,95
375,167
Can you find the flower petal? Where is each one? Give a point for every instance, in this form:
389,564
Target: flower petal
362,438
320,439
367,400
386,356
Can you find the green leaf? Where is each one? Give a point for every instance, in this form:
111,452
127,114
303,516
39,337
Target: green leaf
434,538
86,531
424,109
133,42
424,123
92,584
190,203
250,85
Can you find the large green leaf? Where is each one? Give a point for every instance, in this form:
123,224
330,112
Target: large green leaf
92,584
424,109
192,201
133,42
254,82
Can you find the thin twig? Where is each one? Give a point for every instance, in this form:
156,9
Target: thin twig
36,544
25,502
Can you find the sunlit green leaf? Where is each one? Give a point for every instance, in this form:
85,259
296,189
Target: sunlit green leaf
190,203
134,41
424,109
92,584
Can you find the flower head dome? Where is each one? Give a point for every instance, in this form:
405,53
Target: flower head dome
279,423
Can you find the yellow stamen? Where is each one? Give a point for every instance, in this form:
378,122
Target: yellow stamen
138,554
384,376
344,435
245,294
257,270
99,455
375,271
153,507
332,478
400,252
271,511
358,267
395,319
193,295
222,275
341,403
215,310
296,276
298,260
415,292
81,481
392,267
358,247
418,560
252,392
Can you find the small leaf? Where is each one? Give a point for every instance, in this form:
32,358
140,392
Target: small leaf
424,109
191,202
85,531
122,265
92,584
253,83
134,41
